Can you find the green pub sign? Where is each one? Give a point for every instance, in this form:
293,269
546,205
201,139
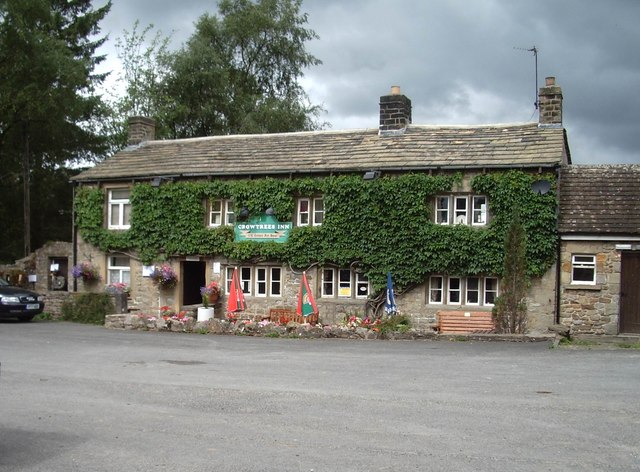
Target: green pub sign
263,228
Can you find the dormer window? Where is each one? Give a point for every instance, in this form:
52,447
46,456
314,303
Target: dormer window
119,208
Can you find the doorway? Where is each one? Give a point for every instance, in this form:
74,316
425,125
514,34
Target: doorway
193,277
630,293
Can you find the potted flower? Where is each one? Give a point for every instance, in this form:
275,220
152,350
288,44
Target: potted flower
85,271
209,294
164,276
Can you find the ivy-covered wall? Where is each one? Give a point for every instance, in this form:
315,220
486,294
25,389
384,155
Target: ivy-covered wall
384,224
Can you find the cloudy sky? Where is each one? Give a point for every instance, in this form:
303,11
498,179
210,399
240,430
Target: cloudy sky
459,61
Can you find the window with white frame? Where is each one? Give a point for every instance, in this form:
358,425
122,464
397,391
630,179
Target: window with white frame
436,288
118,269
268,281
119,208
473,290
260,281
310,211
461,210
221,212
340,283
583,269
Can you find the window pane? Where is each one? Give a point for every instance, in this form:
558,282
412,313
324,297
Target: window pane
120,194
581,274
276,281
490,290
114,276
115,215
127,215
435,290
473,291
442,210
303,212
318,211
362,286
261,281
230,217
460,216
344,283
245,279
479,210
228,278
454,290
216,213
327,282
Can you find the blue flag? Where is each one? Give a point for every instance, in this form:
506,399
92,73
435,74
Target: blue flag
390,305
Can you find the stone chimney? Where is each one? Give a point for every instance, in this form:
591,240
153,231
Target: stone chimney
141,129
550,103
395,111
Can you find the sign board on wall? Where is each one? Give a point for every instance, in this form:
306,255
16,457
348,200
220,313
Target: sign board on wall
262,229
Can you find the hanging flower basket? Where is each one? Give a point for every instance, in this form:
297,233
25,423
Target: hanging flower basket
164,276
85,271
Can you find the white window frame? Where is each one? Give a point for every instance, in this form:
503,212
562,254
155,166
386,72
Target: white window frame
267,283
123,272
486,291
343,283
583,262
328,283
478,209
442,211
313,215
461,210
478,290
439,289
224,211
245,283
124,208
363,288
451,291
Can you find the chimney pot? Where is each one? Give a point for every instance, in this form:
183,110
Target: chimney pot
549,81
395,90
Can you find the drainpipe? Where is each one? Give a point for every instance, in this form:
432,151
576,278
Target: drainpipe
74,235
558,247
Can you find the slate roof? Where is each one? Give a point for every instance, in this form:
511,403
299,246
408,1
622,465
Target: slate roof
600,200
324,152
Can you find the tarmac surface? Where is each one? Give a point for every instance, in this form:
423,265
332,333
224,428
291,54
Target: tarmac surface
84,398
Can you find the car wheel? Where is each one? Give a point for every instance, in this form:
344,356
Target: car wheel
25,318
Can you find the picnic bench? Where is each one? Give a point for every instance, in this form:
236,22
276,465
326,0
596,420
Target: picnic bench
465,322
284,315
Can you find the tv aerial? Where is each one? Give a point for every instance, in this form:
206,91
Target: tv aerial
534,50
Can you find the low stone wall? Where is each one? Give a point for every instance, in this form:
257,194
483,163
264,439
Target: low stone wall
266,328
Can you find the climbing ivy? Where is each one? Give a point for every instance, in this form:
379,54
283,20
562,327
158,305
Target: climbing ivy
381,225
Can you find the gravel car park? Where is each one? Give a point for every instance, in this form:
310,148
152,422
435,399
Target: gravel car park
18,302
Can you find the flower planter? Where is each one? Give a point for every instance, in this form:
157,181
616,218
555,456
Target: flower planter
205,314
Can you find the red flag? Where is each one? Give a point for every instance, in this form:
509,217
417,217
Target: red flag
236,295
306,303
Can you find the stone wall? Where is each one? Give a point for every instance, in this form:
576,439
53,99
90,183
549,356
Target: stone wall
591,309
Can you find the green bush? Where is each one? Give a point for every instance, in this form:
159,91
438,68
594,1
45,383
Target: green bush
397,323
90,308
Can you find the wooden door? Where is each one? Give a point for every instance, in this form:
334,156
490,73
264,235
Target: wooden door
630,293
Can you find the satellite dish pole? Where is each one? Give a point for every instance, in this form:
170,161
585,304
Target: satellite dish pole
534,50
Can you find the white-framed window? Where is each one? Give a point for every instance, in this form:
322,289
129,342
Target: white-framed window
268,281
472,295
436,288
583,269
118,269
490,290
221,212
442,210
362,285
340,282
479,210
310,211
244,276
119,208
461,210
472,290
454,291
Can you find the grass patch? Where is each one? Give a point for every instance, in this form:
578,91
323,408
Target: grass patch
578,342
629,345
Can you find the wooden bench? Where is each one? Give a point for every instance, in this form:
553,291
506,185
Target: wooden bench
284,315
465,322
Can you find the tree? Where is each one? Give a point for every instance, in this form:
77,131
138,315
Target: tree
510,311
48,105
237,74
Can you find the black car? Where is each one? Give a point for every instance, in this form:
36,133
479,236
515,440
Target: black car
16,302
